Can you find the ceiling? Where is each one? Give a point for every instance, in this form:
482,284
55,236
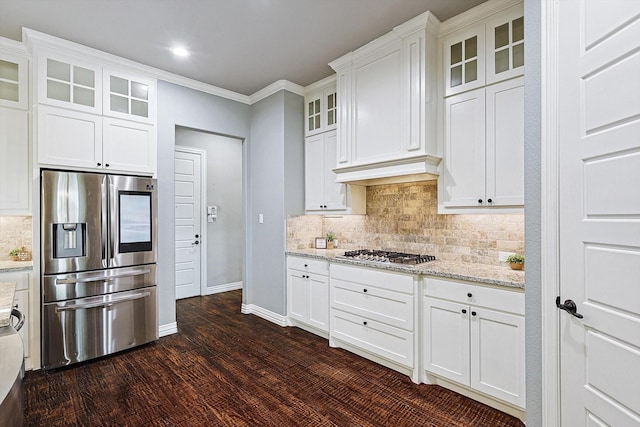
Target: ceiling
239,45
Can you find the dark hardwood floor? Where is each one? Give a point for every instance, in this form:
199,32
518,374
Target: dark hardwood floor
224,368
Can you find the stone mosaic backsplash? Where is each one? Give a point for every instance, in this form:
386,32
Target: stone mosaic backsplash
404,217
15,232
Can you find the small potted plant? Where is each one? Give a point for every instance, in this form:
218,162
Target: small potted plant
516,262
13,253
330,239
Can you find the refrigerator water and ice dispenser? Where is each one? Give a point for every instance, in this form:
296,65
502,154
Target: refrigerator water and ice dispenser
70,240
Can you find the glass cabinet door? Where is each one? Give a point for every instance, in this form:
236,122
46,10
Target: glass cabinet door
331,97
505,46
464,61
129,97
13,81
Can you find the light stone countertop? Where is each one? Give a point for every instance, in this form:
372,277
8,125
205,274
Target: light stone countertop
15,266
479,273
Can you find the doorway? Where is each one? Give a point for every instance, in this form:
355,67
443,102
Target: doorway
221,237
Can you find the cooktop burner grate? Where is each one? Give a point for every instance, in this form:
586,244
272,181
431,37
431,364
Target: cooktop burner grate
388,256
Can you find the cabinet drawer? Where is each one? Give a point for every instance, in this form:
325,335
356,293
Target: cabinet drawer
309,265
397,282
475,295
392,308
383,340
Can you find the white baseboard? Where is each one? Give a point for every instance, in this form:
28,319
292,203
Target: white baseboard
272,317
216,289
168,329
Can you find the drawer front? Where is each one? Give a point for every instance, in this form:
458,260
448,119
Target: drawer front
510,301
392,308
397,282
382,340
309,265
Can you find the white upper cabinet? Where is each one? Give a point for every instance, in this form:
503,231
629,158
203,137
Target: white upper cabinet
387,105
68,82
489,51
15,183
93,113
321,109
128,96
13,80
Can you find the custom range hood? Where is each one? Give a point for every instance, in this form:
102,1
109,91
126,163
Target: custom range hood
387,109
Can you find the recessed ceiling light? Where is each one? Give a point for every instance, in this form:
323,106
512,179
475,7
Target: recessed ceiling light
180,51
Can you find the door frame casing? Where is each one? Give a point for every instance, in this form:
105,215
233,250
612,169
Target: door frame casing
203,217
549,204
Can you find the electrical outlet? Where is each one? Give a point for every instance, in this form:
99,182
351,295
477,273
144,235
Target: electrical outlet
502,256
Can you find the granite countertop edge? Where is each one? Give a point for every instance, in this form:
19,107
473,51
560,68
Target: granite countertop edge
479,273
8,266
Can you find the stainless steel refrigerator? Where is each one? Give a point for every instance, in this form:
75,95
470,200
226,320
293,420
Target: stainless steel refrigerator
98,252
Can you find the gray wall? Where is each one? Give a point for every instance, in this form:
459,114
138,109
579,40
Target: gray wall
180,106
276,175
532,155
225,236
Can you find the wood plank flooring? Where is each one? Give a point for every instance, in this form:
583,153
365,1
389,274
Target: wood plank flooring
224,368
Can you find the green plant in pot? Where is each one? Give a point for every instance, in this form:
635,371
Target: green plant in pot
13,253
516,262
330,239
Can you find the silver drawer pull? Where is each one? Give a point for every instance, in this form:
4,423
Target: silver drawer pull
110,303
101,278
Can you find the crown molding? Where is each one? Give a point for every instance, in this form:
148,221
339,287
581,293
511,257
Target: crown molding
472,16
276,87
425,21
320,84
13,47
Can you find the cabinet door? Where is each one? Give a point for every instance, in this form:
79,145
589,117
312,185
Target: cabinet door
128,96
69,138
69,83
319,302
298,296
14,162
505,143
464,150
378,107
21,302
335,193
446,339
345,117
505,45
497,355
13,81
314,173
129,146
313,113
330,97
464,60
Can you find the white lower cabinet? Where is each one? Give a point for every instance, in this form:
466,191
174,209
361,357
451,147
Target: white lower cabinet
474,336
308,294
372,313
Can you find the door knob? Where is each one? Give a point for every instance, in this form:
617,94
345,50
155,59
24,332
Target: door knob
196,242
570,307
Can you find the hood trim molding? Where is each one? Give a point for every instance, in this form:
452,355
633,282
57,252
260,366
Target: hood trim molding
417,168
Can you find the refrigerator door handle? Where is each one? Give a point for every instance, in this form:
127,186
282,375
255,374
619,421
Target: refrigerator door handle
109,303
104,222
102,278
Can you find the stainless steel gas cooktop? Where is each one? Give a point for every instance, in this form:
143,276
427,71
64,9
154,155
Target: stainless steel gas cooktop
387,256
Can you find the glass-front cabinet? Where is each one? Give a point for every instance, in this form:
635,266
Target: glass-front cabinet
321,110
69,83
13,80
484,53
129,96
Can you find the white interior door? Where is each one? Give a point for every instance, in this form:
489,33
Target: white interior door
188,234
599,210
